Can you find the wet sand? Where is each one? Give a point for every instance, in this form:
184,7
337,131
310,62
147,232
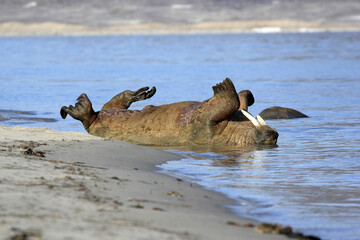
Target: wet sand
69,185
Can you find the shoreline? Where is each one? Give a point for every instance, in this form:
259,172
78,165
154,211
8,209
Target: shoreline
8,29
100,189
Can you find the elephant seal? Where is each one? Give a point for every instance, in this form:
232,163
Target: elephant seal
281,113
176,124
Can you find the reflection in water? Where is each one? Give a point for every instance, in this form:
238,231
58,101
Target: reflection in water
245,157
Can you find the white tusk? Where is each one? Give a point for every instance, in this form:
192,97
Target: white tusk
251,118
261,120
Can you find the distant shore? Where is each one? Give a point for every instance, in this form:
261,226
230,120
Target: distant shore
118,17
273,26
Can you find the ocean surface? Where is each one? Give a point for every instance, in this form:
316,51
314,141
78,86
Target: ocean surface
310,181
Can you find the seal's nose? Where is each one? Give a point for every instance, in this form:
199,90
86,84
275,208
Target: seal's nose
271,137
266,135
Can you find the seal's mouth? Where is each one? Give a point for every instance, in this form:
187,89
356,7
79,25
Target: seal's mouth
264,134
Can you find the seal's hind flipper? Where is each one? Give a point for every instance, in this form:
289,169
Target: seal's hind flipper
210,115
82,111
224,103
125,99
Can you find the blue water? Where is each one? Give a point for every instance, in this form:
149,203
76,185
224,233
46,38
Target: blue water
311,181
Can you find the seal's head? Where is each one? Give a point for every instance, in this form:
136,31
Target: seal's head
262,134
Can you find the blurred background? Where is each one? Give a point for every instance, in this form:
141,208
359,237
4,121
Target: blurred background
296,13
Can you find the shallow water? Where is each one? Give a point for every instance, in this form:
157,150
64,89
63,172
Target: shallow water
311,181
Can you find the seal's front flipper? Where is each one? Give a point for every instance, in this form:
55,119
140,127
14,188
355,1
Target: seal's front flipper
125,99
82,111
143,94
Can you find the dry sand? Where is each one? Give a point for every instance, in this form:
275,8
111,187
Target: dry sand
69,185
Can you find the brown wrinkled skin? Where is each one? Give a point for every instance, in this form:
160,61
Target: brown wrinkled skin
216,121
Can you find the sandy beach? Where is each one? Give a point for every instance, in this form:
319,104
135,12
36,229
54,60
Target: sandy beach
69,185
